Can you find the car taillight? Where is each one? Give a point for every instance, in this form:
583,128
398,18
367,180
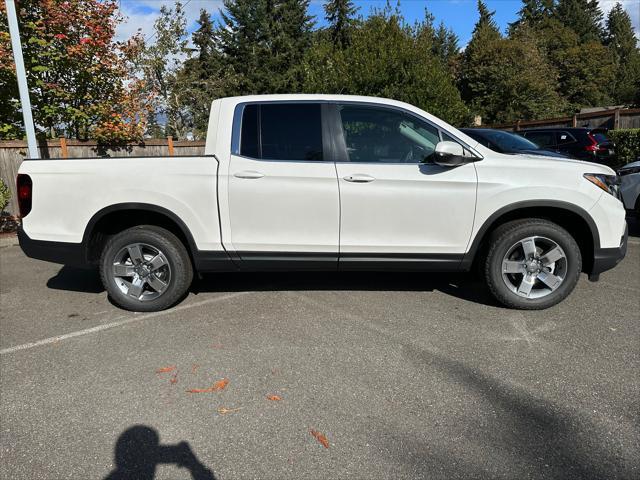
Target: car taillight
25,191
594,144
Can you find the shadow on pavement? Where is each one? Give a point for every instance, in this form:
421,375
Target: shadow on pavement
460,285
533,436
634,226
76,280
138,452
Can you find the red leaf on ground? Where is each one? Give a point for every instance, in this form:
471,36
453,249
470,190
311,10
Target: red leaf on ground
275,398
168,369
320,437
174,378
219,385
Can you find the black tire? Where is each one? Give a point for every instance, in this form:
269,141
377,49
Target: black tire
505,238
174,254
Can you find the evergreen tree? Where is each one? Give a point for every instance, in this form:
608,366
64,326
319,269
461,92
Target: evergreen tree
583,16
263,41
485,34
202,77
532,13
623,47
341,17
445,44
585,69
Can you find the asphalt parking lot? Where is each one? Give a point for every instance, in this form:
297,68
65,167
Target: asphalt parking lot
404,375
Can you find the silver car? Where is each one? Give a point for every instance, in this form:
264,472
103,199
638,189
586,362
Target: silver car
630,186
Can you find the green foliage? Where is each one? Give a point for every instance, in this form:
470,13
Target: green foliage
627,144
506,79
340,15
263,43
5,195
160,63
582,16
386,58
623,49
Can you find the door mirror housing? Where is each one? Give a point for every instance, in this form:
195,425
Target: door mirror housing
449,154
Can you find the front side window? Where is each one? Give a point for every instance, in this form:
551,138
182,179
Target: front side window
383,135
281,131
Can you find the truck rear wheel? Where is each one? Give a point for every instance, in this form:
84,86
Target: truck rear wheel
145,269
532,264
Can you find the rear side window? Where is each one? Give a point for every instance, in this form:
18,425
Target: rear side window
564,138
600,137
282,132
542,139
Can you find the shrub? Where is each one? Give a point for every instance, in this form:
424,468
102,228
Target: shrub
5,195
627,144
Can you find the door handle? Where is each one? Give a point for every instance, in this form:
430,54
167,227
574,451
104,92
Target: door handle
359,178
248,174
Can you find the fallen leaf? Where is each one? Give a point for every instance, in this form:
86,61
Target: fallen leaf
320,437
194,367
174,378
224,411
219,385
168,369
275,398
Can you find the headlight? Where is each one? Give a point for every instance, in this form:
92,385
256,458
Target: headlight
629,170
608,183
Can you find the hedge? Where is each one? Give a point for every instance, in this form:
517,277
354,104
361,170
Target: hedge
5,195
627,144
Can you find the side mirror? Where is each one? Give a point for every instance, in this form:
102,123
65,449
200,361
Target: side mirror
449,154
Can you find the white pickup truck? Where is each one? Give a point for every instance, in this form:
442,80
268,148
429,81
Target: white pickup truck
325,182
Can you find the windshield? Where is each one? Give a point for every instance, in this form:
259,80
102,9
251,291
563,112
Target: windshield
509,142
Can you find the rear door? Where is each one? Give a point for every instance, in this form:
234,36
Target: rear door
283,194
397,209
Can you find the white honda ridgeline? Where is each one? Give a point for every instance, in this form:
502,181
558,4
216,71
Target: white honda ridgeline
325,182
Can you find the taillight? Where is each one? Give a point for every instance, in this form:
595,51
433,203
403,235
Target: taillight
594,144
25,191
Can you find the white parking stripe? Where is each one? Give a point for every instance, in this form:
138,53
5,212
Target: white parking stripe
106,326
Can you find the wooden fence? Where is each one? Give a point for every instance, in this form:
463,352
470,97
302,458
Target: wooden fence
12,152
609,119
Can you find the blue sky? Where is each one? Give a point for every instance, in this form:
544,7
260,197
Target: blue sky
459,15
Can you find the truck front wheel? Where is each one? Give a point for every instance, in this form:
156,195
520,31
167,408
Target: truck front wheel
532,264
145,269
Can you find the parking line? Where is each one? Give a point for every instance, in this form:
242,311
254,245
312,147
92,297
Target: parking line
106,326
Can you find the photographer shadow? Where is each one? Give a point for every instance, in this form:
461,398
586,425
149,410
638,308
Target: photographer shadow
138,453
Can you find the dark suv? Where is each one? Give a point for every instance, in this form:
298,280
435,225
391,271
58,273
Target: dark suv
582,143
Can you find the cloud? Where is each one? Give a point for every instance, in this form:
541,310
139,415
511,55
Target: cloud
141,14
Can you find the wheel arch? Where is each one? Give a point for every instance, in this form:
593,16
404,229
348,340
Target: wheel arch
572,218
118,217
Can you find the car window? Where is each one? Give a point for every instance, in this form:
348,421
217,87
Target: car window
374,134
282,131
542,139
565,138
600,137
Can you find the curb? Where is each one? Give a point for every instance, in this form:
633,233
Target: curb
8,241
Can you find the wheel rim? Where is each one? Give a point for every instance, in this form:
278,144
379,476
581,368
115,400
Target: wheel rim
141,271
534,267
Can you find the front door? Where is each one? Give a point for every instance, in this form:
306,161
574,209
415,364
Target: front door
283,195
397,208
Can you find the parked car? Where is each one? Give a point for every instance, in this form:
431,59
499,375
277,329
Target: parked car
325,182
507,142
592,145
630,187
